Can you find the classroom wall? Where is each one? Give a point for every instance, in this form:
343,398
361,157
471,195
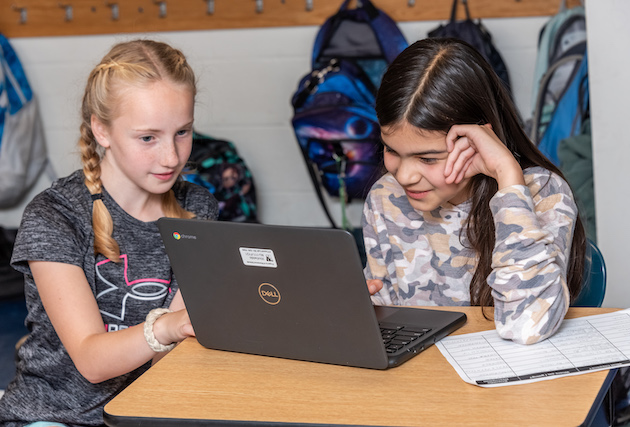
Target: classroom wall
609,61
247,77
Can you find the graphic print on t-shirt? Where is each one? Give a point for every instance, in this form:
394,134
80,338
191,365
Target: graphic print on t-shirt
119,298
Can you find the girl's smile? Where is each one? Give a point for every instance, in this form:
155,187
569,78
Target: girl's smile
418,195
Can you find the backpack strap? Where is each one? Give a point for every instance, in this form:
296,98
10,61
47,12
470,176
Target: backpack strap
387,33
546,37
454,10
313,172
567,116
309,85
17,87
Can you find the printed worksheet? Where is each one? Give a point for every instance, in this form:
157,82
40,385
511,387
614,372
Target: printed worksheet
581,345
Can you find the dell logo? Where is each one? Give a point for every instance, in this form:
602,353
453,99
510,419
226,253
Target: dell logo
269,293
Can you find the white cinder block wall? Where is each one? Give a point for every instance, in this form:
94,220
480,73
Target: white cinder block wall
246,79
608,65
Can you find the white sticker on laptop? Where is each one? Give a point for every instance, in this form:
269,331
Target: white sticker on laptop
258,257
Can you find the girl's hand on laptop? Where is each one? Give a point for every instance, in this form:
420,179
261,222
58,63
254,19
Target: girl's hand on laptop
177,305
170,328
374,285
173,327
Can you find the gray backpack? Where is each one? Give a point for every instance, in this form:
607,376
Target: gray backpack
561,49
23,154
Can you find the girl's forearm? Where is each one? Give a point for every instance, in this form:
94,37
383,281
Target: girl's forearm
107,355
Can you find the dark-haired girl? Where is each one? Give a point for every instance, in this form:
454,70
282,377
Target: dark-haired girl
469,211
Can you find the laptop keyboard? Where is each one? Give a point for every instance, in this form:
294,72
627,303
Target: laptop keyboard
396,338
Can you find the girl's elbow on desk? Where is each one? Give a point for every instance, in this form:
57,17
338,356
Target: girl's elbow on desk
524,334
521,339
92,372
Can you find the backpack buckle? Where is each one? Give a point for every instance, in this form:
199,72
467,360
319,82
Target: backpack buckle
318,76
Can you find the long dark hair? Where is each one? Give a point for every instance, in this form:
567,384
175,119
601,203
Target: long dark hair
437,83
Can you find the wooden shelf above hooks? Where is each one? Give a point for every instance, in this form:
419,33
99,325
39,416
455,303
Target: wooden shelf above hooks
38,18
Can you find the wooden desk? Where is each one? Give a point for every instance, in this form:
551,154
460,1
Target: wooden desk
196,386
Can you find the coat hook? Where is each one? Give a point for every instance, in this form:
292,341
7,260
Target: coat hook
115,10
259,6
411,3
23,13
210,9
162,5
68,10
309,5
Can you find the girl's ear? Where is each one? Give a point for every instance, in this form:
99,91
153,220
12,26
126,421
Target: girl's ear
100,132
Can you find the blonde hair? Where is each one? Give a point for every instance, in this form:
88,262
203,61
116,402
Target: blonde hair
138,63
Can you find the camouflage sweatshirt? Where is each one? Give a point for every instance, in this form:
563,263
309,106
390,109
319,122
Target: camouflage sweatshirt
423,258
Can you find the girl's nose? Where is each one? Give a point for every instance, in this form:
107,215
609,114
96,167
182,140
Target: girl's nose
169,156
407,174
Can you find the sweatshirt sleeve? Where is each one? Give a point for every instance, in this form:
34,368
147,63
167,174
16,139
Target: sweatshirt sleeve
534,230
377,249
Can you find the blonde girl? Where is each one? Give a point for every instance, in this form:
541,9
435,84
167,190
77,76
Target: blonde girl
102,301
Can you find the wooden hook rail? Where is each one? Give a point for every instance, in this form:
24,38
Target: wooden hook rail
29,18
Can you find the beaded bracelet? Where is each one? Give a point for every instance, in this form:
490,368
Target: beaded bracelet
155,345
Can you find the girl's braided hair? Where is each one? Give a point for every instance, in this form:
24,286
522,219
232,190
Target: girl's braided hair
134,63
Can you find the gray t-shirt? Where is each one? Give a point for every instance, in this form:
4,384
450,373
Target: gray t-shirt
57,227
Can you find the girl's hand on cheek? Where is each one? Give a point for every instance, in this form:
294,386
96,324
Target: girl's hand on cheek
475,149
459,161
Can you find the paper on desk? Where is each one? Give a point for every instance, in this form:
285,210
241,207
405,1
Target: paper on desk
582,345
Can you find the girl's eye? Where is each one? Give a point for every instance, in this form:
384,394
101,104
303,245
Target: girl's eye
428,160
146,138
182,132
388,150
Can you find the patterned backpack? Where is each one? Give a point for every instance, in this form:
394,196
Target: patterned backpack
334,118
217,166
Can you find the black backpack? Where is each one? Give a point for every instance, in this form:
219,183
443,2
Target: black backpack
334,118
475,34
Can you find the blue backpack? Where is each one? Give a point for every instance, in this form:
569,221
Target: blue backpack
561,113
23,154
569,113
334,118
560,94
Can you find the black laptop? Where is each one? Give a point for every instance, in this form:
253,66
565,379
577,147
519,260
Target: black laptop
291,292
